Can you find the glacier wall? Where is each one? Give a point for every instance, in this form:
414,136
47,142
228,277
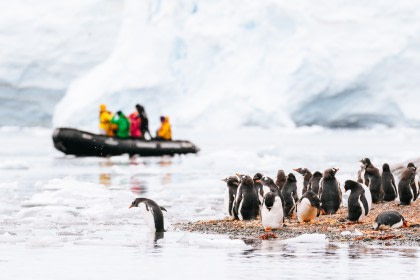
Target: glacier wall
240,63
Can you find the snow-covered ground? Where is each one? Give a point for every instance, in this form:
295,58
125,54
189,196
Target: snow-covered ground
68,217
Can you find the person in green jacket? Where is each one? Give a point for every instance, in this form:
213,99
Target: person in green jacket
123,130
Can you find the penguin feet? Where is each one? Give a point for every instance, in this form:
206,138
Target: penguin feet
267,229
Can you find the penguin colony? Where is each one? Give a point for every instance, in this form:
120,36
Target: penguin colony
248,198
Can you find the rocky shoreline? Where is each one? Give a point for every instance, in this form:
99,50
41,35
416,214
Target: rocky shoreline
335,227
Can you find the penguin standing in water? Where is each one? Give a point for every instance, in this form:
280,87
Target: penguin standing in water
308,207
404,186
232,183
272,215
375,181
152,213
358,205
246,201
388,183
314,182
269,185
330,192
415,183
307,175
280,179
389,219
289,192
259,187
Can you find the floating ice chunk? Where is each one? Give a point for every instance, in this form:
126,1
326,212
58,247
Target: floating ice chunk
308,238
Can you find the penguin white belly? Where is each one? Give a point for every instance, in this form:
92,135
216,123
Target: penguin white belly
305,211
240,209
148,217
272,219
398,225
265,190
368,196
363,210
226,202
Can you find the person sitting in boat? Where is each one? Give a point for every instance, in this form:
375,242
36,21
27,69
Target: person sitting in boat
144,122
164,132
105,116
134,125
123,125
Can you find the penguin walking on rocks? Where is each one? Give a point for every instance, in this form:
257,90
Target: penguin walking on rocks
272,212
289,192
375,181
307,175
314,182
308,207
389,219
358,204
152,213
330,192
259,187
232,183
415,184
246,201
405,190
280,179
388,183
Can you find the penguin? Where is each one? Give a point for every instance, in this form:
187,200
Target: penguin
388,183
314,182
414,185
362,177
280,179
307,175
389,219
308,207
259,187
404,186
232,183
246,200
288,192
152,213
268,185
330,192
375,181
272,212
358,205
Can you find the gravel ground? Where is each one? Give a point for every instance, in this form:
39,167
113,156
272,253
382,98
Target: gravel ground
335,227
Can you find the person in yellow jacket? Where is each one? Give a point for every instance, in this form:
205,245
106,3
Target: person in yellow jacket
105,126
164,132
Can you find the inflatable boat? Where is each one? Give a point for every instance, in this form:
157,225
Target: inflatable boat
80,143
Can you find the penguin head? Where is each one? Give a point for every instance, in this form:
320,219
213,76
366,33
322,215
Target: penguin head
232,180
267,181
330,173
281,173
301,171
257,176
350,184
291,178
136,202
269,199
385,168
366,161
317,174
246,180
412,166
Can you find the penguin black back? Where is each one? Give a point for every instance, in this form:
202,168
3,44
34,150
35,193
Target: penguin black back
404,186
388,184
414,184
389,219
307,175
246,202
330,192
357,203
257,184
280,179
152,210
232,184
375,181
314,182
288,192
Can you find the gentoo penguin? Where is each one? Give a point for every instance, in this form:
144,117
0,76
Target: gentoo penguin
314,182
308,207
288,192
259,187
307,175
389,219
330,192
272,215
415,183
269,185
246,201
152,213
232,183
375,181
358,206
404,186
388,183
362,177
280,179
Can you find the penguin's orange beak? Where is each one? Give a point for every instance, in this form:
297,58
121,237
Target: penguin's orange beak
295,169
406,224
323,212
258,181
130,206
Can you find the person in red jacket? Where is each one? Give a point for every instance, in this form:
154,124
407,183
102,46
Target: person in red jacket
134,125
